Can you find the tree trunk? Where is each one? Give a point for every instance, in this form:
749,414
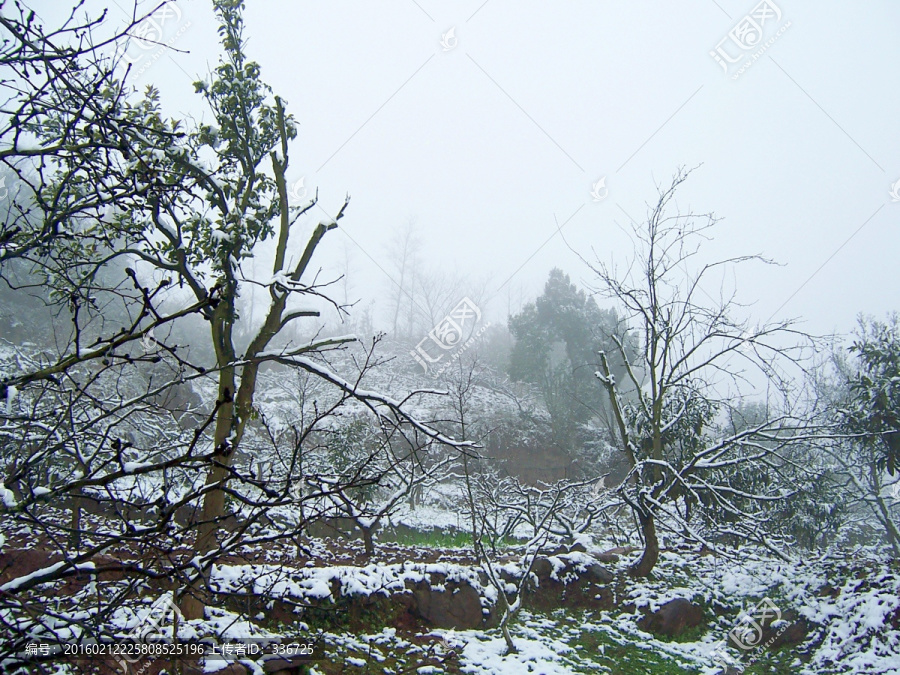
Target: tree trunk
195,598
368,540
651,547
882,511
211,513
507,637
75,534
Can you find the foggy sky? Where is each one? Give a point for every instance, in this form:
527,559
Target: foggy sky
490,139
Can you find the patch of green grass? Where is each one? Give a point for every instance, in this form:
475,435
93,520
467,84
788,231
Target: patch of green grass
599,644
694,634
434,538
596,641
773,663
623,658
404,654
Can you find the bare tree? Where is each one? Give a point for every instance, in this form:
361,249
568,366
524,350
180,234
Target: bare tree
498,508
404,251
377,470
361,466
691,352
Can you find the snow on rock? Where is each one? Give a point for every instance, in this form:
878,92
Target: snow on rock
7,497
11,394
317,583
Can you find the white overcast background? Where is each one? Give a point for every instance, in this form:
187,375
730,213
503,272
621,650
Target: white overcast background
490,144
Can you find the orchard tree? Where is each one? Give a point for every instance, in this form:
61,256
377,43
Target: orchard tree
365,472
75,154
498,509
210,229
692,354
68,134
403,250
138,227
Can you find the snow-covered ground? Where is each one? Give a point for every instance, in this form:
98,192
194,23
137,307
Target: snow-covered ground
854,622
851,604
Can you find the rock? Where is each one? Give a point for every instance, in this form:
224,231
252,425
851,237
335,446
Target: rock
613,554
673,618
294,665
542,568
600,574
233,669
459,607
507,576
563,549
793,634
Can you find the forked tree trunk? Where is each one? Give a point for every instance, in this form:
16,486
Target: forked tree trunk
648,560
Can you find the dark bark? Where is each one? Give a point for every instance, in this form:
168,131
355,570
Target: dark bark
649,558
368,540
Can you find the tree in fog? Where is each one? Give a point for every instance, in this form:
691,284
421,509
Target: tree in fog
137,226
403,253
75,149
499,509
205,235
864,401
69,135
692,356
557,341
